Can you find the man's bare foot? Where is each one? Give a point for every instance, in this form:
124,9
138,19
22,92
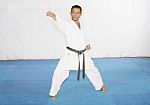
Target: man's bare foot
52,97
104,89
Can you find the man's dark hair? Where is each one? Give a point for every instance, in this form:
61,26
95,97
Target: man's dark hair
76,6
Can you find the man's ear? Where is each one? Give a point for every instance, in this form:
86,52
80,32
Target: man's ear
81,14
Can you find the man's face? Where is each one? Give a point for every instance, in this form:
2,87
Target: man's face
75,14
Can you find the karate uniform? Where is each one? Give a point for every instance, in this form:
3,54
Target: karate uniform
76,39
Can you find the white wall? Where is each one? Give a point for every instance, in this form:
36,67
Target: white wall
116,28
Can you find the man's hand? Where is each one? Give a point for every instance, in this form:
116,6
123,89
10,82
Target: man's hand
51,14
88,47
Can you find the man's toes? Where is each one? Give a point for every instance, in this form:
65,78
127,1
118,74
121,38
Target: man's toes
52,97
104,89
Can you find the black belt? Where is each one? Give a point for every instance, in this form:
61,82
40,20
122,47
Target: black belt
79,52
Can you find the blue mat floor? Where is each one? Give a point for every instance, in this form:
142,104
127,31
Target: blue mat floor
27,82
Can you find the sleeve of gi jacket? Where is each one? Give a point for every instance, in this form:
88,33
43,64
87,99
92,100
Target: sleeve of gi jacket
60,24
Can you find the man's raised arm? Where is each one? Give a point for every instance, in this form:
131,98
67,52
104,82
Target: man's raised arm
59,23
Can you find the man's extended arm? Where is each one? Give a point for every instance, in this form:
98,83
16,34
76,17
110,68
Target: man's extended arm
59,23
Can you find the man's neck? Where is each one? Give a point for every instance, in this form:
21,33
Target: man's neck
77,23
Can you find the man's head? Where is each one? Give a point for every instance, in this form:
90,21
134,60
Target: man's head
76,12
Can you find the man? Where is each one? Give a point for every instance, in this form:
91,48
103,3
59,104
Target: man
76,53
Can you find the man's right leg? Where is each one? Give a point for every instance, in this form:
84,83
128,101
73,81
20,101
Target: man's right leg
58,77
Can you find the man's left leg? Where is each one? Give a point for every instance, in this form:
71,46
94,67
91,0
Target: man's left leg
95,78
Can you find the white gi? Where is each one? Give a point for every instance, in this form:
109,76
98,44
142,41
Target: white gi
76,39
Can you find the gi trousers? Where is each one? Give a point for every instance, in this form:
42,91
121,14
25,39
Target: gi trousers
60,75
62,72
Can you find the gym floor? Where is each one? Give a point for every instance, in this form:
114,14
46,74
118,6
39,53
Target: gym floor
27,82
